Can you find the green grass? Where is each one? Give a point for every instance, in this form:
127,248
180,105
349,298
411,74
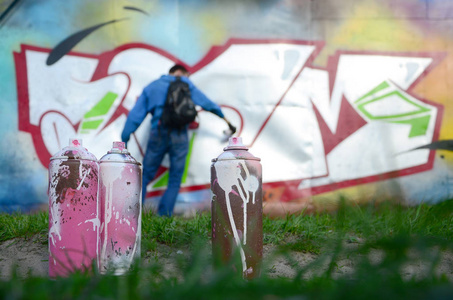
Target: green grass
23,225
402,236
174,231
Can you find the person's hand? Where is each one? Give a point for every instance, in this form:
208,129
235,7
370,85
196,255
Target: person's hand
232,128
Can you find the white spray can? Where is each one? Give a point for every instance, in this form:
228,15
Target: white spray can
120,185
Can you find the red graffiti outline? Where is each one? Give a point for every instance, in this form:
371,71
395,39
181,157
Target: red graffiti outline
291,187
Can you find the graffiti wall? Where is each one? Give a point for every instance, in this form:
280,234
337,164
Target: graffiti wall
338,99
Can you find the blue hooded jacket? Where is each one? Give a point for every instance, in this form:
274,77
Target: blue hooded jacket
152,101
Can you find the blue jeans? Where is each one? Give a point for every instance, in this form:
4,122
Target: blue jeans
176,144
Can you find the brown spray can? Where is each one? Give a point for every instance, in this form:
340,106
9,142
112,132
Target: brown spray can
237,209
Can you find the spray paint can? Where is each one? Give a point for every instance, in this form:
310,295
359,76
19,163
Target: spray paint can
73,210
120,185
237,209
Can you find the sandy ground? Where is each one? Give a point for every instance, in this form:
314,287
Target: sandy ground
30,257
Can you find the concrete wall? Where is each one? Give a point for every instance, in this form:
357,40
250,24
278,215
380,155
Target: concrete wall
338,98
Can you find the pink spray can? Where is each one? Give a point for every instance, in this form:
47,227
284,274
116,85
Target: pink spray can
120,186
73,210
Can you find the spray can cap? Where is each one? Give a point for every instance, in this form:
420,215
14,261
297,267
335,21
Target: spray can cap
119,154
75,142
235,150
235,143
118,147
74,150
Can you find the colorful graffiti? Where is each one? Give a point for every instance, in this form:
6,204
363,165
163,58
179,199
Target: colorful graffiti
361,106
336,102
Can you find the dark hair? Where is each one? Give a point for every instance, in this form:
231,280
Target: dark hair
176,68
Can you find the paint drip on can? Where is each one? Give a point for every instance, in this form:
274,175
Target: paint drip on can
120,185
237,209
73,210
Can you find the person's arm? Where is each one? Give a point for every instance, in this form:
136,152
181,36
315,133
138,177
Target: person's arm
135,117
200,99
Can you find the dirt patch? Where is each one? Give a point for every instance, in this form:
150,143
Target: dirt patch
30,257
25,257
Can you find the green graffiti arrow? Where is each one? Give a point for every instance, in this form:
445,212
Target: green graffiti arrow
419,125
94,117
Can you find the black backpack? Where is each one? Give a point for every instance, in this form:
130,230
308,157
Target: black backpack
179,109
